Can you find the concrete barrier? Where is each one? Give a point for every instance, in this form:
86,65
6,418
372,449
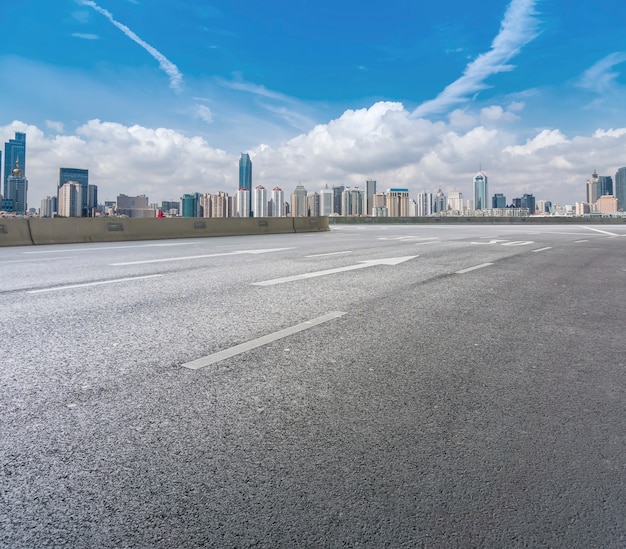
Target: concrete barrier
14,231
117,229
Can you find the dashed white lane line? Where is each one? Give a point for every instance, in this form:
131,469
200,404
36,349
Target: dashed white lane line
543,249
481,266
264,340
579,241
329,253
86,284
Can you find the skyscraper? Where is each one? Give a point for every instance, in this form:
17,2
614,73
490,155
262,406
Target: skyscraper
243,203
593,189
605,185
620,188
326,201
259,201
77,175
440,203
498,201
278,202
370,191
245,176
298,202
17,189
424,204
481,191
14,151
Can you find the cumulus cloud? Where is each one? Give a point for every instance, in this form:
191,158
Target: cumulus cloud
383,142
518,28
175,76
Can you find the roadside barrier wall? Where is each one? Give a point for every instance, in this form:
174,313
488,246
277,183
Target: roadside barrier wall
27,231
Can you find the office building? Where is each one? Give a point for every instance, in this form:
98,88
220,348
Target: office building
313,204
134,206
440,204
48,206
260,202
620,188
528,203
326,201
337,191
220,205
245,176
455,201
424,204
17,190
298,202
398,202
481,191
606,204
70,200
14,154
498,201
352,201
80,176
190,205
605,185
592,189
370,191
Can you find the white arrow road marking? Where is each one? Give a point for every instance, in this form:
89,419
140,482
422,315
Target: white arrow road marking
360,265
254,252
249,345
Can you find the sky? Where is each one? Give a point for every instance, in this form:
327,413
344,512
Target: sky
160,97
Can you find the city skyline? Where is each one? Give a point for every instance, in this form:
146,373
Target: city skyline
417,97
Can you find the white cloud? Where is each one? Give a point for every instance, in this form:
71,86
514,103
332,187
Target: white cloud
175,76
85,36
600,78
518,28
55,126
203,113
546,138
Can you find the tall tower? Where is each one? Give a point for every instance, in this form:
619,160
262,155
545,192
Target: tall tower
298,202
245,176
593,188
259,201
17,189
77,175
14,151
620,188
278,202
481,191
370,191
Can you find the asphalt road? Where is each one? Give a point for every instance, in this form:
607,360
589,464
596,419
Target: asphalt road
373,386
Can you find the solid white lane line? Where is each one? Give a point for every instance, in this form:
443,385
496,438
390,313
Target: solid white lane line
542,249
100,248
69,287
579,241
463,271
329,253
203,256
600,231
259,342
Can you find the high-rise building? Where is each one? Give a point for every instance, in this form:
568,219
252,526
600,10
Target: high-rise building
71,199
190,204
424,204
605,185
326,201
80,176
370,191
245,176
243,203
298,202
498,201
313,204
14,153
220,205
17,189
620,188
134,206
481,191
337,199
352,201
440,203
593,189
260,202
455,200
92,199
398,202
277,202
606,204
48,206
528,202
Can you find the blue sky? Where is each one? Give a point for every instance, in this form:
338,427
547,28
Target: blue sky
160,97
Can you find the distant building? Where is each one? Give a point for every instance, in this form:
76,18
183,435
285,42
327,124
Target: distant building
528,203
620,188
606,204
313,204
17,189
243,203
221,205
80,176
245,176
351,201
424,204
133,206
440,203
326,201
298,202
260,202
70,200
370,191
190,204
337,191
14,154
398,202
170,207
593,191
481,191
605,185
455,201
498,201
277,202
48,206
